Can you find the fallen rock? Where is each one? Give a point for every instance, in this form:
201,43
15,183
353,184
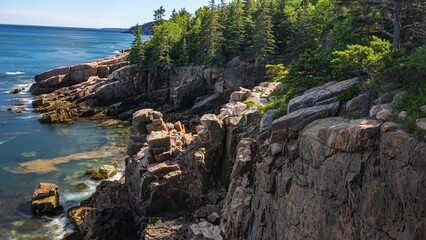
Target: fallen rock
45,200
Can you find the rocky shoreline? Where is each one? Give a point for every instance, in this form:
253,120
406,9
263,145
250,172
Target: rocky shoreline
204,164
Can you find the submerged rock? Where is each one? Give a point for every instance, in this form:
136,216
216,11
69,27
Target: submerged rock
18,90
45,200
81,186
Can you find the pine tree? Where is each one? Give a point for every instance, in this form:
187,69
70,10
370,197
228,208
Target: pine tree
136,53
249,27
280,29
159,14
263,39
236,36
213,39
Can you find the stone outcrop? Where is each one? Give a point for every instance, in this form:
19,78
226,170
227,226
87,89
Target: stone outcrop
45,200
311,174
57,78
321,95
110,87
339,180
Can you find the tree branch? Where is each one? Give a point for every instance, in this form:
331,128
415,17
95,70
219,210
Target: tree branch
384,32
376,1
413,24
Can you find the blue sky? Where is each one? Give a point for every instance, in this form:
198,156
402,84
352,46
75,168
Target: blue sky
88,13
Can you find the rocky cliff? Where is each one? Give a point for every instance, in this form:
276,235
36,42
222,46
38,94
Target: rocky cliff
111,87
311,174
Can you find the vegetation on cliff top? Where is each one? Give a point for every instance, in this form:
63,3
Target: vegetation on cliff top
305,42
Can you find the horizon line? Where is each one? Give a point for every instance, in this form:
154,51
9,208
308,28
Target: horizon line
55,26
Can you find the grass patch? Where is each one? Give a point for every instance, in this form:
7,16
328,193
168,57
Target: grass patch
249,103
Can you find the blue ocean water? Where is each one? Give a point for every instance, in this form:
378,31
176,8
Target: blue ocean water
31,152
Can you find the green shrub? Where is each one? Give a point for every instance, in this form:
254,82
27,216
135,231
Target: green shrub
411,103
348,94
407,70
325,114
249,103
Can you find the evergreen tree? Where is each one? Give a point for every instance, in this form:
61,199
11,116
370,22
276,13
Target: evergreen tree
136,53
159,14
263,39
236,35
249,27
213,39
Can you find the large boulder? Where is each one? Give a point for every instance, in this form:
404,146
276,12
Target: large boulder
45,200
289,125
321,95
51,73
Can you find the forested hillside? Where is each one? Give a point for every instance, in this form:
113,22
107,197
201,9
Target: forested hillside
303,43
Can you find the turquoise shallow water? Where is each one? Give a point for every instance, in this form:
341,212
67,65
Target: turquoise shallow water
31,152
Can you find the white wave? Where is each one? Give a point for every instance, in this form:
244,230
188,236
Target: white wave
58,227
91,187
118,52
13,73
7,140
27,117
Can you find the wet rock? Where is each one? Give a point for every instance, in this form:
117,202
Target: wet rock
73,236
10,109
108,171
18,90
81,186
89,172
45,200
98,176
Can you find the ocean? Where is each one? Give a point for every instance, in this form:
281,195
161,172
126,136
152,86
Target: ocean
31,152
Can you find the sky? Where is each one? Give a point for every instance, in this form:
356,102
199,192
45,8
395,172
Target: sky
88,13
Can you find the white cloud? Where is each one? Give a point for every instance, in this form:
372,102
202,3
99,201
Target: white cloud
54,18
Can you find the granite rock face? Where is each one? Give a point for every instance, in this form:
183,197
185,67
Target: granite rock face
45,200
108,87
350,179
321,95
239,175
